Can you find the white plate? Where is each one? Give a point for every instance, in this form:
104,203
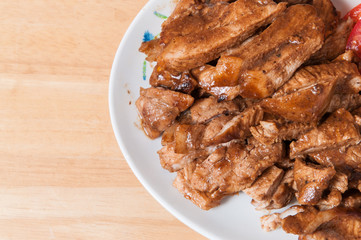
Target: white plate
236,217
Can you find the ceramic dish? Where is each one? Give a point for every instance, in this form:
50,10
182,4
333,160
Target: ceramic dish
236,217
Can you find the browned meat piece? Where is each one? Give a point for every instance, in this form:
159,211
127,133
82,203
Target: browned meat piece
347,77
333,199
273,221
305,105
214,127
327,12
191,17
216,173
307,95
336,223
338,130
205,109
238,127
346,101
231,168
239,21
264,63
269,132
203,200
152,49
172,161
284,193
158,108
352,201
339,182
311,180
188,138
183,82
265,186
335,44
345,160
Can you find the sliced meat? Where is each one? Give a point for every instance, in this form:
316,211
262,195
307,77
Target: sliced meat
262,64
345,160
172,161
338,130
327,12
203,200
353,200
216,172
238,127
273,221
152,49
240,20
158,108
259,159
311,180
188,138
305,105
265,186
346,75
205,109
272,131
183,82
309,93
335,44
336,223
346,101
191,17
283,194
214,127
333,199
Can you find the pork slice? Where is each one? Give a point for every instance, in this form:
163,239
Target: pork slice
347,101
333,199
328,13
335,44
305,105
263,80
258,159
152,49
191,17
239,21
352,200
343,159
336,223
265,185
311,180
284,192
336,131
182,82
263,63
205,109
238,127
346,75
203,200
215,174
172,161
272,131
158,108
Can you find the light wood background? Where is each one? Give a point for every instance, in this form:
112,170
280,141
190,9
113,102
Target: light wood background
62,175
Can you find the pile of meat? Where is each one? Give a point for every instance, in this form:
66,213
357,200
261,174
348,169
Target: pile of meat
260,97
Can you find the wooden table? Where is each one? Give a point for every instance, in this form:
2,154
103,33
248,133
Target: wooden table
62,175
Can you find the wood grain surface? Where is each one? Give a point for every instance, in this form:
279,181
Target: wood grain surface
62,175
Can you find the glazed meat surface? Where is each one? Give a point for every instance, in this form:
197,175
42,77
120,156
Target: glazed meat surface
338,130
240,20
265,62
158,108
